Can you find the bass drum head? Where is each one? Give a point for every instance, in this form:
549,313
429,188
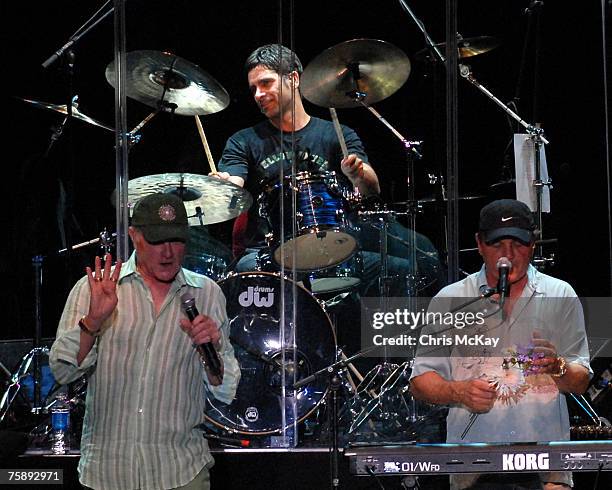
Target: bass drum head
253,309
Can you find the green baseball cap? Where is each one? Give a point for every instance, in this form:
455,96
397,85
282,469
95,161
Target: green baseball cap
161,218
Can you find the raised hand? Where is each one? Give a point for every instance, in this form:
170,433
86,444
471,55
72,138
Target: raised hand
103,290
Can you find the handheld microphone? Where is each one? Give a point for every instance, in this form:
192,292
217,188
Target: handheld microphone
206,350
503,285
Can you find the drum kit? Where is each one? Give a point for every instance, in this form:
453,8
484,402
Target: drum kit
320,252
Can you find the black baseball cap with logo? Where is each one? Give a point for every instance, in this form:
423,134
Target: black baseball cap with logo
161,218
506,218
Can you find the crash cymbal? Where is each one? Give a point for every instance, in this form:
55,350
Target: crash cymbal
216,200
189,91
370,66
63,109
468,47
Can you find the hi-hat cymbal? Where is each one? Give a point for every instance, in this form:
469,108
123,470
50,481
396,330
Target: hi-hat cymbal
189,90
63,109
208,200
371,67
468,47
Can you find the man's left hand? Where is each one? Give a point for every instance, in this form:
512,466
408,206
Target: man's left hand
546,357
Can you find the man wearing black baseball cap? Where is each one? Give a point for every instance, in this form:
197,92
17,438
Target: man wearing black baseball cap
506,229
511,392
148,386
507,218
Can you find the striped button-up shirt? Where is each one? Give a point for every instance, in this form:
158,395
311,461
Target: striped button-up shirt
147,387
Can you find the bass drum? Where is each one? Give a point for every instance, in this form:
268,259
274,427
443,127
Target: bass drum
253,308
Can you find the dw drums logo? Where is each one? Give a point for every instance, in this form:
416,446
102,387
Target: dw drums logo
255,295
519,462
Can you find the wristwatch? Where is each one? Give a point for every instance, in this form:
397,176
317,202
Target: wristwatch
84,328
562,368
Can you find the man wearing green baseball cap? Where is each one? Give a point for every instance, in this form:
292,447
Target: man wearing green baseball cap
148,385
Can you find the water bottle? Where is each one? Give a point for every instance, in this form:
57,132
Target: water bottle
60,425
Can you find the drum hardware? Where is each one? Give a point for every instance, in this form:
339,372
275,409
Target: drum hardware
171,84
586,407
340,280
383,399
466,47
207,199
133,136
536,134
363,65
63,109
105,240
206,255
443,199
31,359
255,313
23,382
418,281
484,44
334,301
398,372
322,236
376,67
344,277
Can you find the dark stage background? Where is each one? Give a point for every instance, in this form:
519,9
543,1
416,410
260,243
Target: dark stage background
568,99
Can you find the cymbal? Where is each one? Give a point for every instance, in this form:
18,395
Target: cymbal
63,109
435,199
468,47
370,66
189,91
502,184
216,200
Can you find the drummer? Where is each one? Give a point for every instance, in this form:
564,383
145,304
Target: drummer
251,156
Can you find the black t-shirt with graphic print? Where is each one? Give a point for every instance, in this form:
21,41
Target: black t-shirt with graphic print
255,155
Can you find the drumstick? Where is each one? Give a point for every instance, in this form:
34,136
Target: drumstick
340,136
339,133
353,368
143,122
209,157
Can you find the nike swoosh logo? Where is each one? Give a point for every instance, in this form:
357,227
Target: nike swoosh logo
507,219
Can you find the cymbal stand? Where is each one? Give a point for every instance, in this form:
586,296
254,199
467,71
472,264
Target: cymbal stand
105,239
412,154
134,136
536,134
335,382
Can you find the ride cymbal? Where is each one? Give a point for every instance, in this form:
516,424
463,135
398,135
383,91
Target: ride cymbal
468,47
164,81
366,68
208,200
63,109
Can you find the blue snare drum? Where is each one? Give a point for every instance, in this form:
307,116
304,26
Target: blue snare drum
322,238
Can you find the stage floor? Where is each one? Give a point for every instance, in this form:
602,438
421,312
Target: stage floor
272,469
